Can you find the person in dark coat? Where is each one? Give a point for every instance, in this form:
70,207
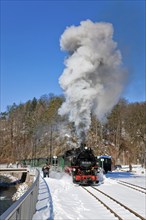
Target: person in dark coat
46,169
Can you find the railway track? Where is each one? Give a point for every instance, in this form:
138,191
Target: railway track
119,210
131,186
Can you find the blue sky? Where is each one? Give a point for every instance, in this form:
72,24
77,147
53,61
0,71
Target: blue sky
31,59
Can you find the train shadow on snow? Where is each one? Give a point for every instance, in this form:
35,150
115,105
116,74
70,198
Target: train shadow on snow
119,174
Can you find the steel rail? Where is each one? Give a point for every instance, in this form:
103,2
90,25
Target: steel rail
130,185
111,210
134,185
144,188
130,210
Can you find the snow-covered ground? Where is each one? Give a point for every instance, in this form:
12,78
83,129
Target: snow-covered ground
60,199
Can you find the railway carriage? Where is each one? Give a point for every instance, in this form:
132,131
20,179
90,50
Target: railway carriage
105,162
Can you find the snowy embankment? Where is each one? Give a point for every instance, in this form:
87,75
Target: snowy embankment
7,179
60,199
22,188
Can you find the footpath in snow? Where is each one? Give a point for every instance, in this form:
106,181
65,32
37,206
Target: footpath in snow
44,206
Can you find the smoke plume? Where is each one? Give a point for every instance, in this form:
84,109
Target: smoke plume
93,79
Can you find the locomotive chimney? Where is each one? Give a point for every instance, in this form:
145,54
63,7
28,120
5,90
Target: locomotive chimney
83,145
83,140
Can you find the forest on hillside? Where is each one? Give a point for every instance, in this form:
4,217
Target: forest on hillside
35,130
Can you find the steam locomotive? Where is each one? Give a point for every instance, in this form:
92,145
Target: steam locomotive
82,165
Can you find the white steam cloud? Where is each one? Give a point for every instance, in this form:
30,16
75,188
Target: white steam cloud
93,79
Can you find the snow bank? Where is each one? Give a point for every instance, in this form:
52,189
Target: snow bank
22,188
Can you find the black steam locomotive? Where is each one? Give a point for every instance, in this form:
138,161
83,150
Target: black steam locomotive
82,165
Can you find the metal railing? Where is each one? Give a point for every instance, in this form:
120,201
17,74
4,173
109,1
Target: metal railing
25,207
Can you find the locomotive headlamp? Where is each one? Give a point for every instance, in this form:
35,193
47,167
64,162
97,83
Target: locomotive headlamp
86,148
74,169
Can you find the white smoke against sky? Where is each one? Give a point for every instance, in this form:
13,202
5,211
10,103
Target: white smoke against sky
93,79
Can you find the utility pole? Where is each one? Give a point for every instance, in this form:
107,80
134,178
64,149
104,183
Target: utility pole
51,141
143,137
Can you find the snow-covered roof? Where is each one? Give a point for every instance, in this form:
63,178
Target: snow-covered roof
104,156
